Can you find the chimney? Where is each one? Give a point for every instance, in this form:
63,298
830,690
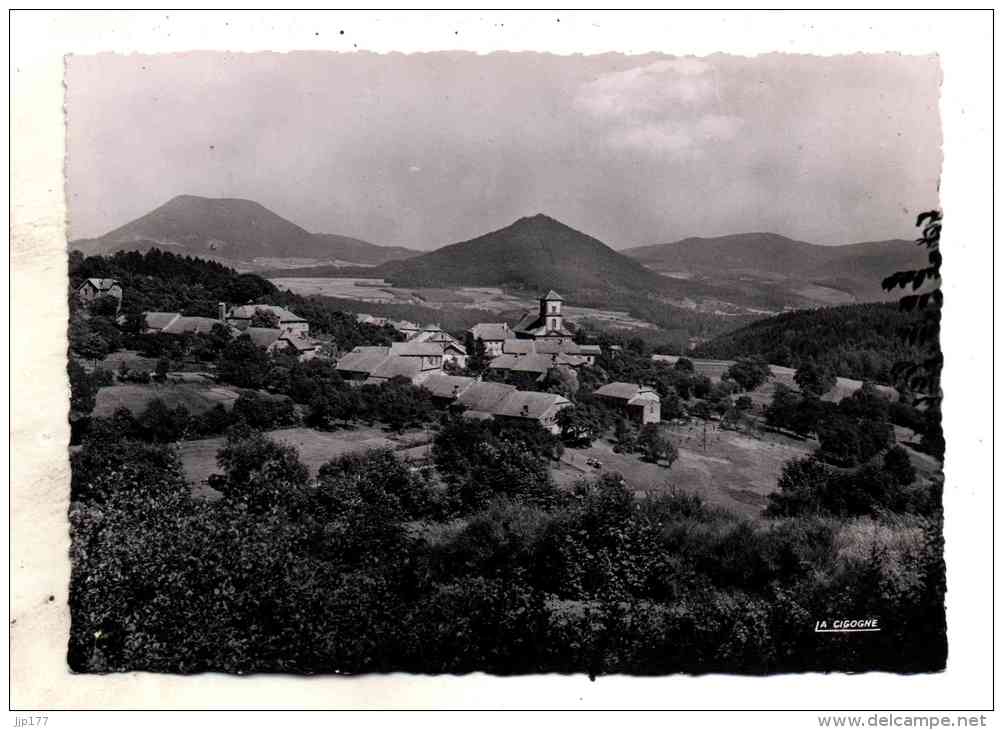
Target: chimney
222,311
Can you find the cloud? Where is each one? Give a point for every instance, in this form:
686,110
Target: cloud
414,168
669,106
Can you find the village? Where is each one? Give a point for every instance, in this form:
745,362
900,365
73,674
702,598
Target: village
528,372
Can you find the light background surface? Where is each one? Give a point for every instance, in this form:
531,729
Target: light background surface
39,486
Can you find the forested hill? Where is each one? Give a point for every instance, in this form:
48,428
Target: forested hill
535,253
862,341
159,281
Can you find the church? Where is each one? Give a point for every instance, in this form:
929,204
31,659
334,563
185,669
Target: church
547,323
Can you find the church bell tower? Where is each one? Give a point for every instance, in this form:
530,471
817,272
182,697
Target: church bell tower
550,311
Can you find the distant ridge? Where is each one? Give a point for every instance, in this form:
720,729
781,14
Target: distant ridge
856,268
233,229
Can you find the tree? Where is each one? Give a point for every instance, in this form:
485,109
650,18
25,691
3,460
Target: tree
91,346
899,466
265,318
625,434
749,372
163,367
561,380
802,489
813,379
162,424
83,392
655,445
375,480
259,472
923,376
104,306
684,365
579,424
243,364
477,356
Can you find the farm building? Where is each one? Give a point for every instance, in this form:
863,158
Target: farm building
412,360
637,402
241,316
483,400
493,335
363,318
528,367
446,388
277,340
530,405
91,289
182,325
405,327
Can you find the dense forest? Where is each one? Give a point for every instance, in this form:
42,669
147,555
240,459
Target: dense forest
861,341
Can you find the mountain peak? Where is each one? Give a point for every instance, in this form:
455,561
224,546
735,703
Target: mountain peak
235,229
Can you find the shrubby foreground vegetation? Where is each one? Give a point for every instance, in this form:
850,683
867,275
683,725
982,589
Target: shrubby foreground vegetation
373,566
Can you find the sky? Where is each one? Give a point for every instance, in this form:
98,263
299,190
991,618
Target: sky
430,149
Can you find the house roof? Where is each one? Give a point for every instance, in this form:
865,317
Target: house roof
523,363
529,404
301,344
519,347
624,391
395,366
246,311
491,331
159,320
533,364
363,359
263,336
435,336
411,348
447,386
571,360
403,324
190,325
550,347
485,397
590,350
100,284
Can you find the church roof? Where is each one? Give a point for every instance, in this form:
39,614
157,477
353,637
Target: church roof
553,296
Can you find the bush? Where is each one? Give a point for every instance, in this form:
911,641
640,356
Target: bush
898,464
749,372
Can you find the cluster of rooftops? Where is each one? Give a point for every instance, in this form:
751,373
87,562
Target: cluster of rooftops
536,344
291,333
532,347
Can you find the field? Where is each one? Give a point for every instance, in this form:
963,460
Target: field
364,290
735,471
492,299
196,397
316,448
